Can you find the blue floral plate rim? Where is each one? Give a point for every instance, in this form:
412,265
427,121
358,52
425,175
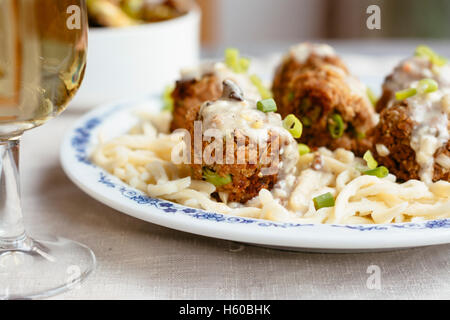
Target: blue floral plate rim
111,191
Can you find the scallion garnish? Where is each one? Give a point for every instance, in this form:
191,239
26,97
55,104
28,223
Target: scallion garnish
293,125
263,91
315,113
372,97
325,200
336,126
305,104
427,52
303,149
290,96
380,172
371,162
215,178
244,64
405,94
167,98
232,59
267,105
235,62
306,121
427,86
360,135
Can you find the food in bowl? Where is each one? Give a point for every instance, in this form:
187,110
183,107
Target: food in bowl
122,13
145,57
311,183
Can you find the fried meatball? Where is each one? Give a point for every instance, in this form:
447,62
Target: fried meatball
244,149
314,84
246,179
406,72
201,84
411,139
189,95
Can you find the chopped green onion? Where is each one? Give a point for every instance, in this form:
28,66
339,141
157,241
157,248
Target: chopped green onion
315,113
167,98
424,51
305,104
235,62
290,96
267,105
360,135
244,64
306,121
232,59
427,52
371,162
303,149
379,172
215,178
336,126
325,200
404,94
293,125
263,91
439,61
427,86
372,97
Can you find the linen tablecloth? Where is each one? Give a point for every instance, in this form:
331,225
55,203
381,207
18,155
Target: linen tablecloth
140,260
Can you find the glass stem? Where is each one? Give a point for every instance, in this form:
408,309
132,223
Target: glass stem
12,232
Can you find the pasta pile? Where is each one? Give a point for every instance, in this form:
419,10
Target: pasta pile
142,159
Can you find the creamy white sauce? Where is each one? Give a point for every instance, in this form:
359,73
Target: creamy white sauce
222,72
302,51
414,69
382,150
431,129
229,116
444,161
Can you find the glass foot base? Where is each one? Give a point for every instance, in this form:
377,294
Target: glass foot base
43,268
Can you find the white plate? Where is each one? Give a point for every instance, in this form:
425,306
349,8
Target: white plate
117,119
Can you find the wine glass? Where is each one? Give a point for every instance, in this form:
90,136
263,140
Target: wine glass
43,47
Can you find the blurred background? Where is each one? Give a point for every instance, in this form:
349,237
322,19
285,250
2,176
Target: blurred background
150,56
257,24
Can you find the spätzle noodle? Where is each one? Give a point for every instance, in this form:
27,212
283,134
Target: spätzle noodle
142,159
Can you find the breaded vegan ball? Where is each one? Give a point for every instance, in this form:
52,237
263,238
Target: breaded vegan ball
249,151
412,137
204,83
424,64
189,95
314,84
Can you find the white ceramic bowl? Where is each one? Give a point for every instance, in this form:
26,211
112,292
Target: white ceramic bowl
130,61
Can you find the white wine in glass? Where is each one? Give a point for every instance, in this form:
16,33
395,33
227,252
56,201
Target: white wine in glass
43,47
